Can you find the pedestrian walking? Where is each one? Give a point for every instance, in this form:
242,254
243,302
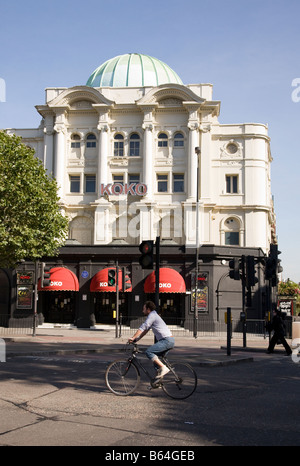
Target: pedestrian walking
277,325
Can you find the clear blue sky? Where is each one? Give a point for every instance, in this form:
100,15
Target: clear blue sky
248,49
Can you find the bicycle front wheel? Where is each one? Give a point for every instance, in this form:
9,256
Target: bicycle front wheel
122,377
180,382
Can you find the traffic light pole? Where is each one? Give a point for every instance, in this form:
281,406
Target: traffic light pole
157,265
117,299
198,153
35,297
243,315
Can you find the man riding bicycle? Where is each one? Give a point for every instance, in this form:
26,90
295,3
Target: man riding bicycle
162,333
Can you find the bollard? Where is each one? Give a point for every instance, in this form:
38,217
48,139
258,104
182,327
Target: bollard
229,331
2,350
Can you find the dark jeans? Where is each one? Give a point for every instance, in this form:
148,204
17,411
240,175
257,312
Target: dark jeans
279,338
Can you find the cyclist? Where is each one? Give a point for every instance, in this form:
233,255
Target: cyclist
162,333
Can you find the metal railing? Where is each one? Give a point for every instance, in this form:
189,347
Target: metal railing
205,327
16,325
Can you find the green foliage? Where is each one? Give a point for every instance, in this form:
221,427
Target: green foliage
288,288
31,224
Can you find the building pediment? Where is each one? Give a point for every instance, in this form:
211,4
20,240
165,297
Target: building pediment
170,94
71,96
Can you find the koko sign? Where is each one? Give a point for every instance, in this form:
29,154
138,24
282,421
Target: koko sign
135,189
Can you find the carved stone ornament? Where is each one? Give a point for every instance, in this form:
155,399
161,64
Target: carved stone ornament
59,128
231,149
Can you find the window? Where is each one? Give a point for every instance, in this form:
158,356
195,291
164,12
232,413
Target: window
162,183
118,179
75,141
118,145
134,145
134,178
91,141
232,231
75,184
232,238
178,183
90,183
178,140
162,140
231,184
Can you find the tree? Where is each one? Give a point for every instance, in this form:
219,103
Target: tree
31,223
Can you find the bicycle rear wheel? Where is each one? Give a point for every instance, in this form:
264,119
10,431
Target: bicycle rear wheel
122,377
180,382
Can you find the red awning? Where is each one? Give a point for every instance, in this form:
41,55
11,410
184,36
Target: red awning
170,281
100,281
62,279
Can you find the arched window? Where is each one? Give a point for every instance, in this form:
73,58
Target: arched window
75,141
162,140
118,145
178,140
90,140
134,145
232,232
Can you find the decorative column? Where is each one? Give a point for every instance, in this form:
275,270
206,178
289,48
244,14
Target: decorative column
103,128
148,162
102,155
193,126
59,157
48,147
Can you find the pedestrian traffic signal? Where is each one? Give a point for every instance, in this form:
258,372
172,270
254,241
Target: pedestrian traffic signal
126,283
146,259
111,277
234,269
45,275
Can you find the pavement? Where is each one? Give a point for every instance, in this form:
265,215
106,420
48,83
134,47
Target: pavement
203,350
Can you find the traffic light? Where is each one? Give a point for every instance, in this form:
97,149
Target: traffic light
126,283
45,275
270,268
274,253
273,267
146,259
111,277
251,279
234,269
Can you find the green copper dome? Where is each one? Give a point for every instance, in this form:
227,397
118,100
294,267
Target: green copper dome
132,70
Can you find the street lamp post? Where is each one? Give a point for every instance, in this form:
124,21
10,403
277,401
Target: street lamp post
198,153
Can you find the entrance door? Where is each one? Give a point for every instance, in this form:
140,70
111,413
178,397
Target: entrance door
171,307
58,306
105,307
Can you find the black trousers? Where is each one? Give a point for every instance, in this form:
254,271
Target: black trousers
279,338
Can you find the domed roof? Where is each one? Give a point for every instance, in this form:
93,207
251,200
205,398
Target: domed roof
132,70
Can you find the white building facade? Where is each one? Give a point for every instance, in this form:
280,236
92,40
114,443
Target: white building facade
123,151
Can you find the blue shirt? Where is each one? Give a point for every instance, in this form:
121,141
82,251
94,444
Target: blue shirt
158,326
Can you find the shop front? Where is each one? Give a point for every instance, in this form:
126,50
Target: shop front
104,286
57,301
172,291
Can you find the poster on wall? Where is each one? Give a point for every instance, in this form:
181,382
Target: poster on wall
24,296
202,301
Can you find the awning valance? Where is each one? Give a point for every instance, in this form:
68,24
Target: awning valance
61,279
100,281
170,281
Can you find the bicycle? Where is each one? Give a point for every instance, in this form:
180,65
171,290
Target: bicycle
122,376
